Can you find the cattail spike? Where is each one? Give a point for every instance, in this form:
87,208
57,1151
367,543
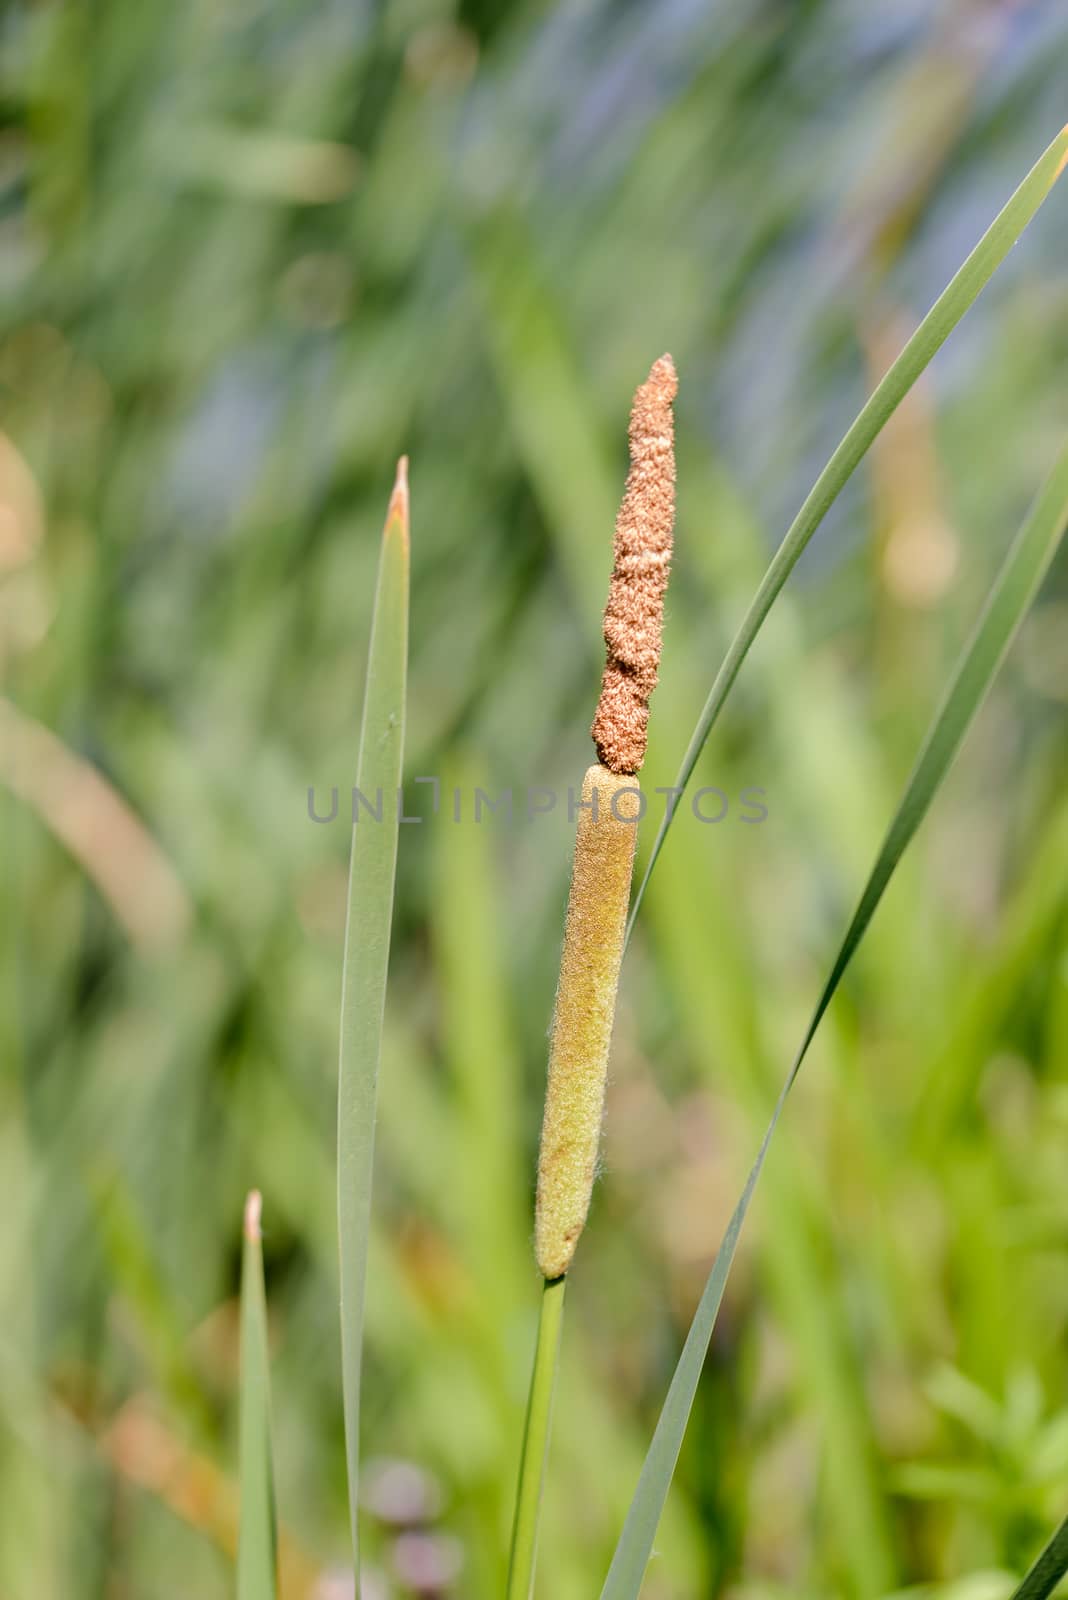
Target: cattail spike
634,614
607,832
585,1008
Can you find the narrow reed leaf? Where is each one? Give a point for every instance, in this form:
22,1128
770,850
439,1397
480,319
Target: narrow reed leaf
257,1536
367,934
536,1431
1048,1569
925,343
1014,588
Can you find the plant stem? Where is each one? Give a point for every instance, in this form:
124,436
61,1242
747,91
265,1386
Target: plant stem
535,1443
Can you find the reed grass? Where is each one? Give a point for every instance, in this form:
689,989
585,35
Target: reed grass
205,385
960,294
257,1575
1024,567
585,999
365,964
597,923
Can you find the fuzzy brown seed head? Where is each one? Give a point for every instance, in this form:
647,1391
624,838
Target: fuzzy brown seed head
634,614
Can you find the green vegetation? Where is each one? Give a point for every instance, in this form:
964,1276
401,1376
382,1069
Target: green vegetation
252,255
1025,566
256,1546
368,925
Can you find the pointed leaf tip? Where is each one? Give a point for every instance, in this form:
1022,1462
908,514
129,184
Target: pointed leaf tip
257,1567
253,1214
368,923
398,500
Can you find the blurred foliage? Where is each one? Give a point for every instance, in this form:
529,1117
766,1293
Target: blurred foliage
251,252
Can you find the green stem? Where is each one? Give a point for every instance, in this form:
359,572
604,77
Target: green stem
535,1443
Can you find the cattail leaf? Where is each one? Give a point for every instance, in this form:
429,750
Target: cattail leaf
1014,588
257,1536
367,935
1048,1568
920,350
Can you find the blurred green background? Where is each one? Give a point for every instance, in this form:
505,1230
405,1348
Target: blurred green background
251,251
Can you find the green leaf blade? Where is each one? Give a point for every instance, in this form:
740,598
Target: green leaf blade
368,927
1048,1569
257,1537
959,295
1017,582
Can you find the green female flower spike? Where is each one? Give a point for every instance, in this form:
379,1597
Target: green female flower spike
607,831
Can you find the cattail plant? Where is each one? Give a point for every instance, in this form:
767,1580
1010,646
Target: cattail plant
596,926
595,931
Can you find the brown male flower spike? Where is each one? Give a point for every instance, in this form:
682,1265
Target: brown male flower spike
635,610
607,832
